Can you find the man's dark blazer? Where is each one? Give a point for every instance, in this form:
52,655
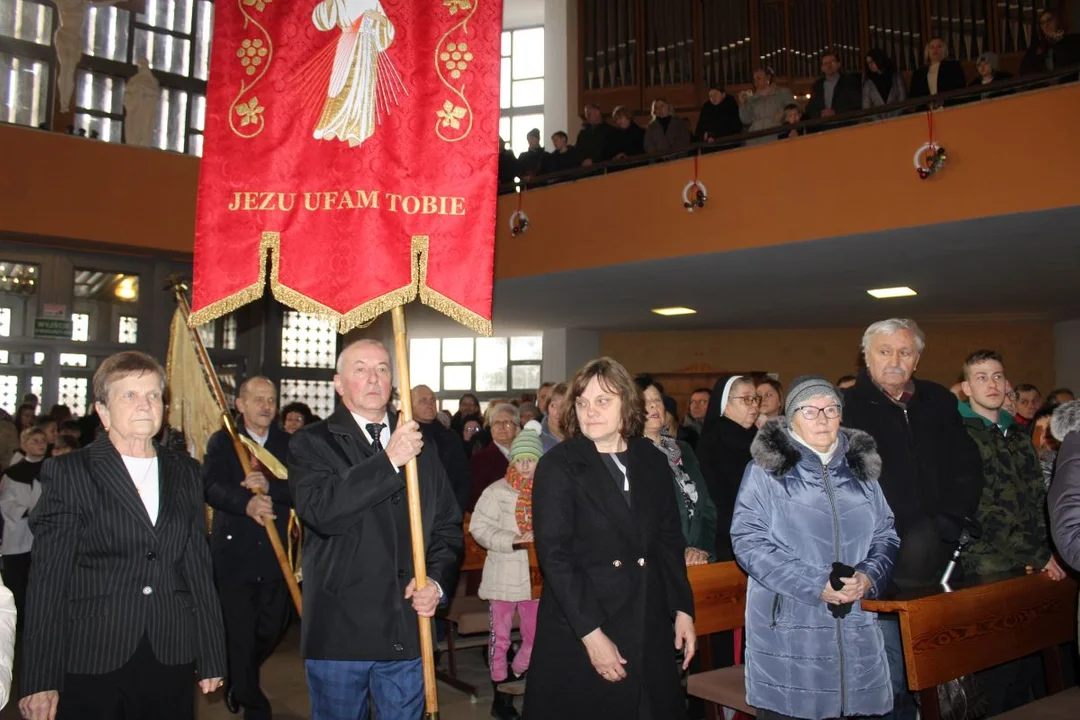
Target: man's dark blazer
103,576
452,454
238,544
357,547
847,96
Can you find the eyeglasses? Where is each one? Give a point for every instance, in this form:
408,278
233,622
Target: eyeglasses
700,402
747,400
809,412
504,424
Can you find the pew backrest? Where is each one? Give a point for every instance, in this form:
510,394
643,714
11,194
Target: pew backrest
958,633
719,597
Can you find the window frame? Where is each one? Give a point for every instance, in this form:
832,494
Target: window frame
513,111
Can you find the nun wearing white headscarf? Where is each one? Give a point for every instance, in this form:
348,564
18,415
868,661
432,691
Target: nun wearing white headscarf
723,450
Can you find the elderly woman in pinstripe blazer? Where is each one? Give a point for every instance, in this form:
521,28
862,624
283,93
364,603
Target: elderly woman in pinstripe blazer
122,617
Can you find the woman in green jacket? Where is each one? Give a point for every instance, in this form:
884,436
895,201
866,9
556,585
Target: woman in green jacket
696,509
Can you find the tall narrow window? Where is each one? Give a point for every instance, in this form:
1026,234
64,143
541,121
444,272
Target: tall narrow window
521,93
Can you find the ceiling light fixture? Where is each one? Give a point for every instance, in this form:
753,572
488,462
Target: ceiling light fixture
891,292
673,311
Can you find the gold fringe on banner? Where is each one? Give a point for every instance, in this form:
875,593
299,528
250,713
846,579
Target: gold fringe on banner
192,408
360,316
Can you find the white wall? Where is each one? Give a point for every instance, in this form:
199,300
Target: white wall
565,351
522,13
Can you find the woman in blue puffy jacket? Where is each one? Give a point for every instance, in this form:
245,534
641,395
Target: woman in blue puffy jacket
810,501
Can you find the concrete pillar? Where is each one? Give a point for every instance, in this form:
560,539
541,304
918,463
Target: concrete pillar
566,350
560,26
1067,354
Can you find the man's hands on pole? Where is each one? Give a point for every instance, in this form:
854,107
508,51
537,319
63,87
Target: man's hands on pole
405,443
260,507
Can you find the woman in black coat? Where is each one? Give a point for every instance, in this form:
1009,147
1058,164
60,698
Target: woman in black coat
939,75
719,117
611,549
724,450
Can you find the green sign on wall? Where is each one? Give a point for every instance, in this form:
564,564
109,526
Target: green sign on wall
55,328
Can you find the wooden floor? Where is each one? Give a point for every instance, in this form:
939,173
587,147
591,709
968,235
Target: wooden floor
283,682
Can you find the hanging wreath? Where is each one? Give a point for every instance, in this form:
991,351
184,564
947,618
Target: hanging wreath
929,159
519,222
694,195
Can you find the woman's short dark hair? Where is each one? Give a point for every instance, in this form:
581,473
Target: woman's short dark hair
614,378
299,408
122,365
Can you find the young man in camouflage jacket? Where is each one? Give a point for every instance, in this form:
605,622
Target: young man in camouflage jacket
1012,512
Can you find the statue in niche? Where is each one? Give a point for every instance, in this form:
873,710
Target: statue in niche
69,42
141,97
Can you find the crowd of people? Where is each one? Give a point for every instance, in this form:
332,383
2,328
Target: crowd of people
768,105
824,492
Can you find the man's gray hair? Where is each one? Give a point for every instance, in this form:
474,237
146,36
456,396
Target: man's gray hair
350,346
507,409
893,325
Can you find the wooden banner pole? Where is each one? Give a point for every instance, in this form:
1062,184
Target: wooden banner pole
241,452
416,524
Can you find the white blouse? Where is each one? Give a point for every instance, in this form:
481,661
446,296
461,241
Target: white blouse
144,473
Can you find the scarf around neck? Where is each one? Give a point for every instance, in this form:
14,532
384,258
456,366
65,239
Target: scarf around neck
523,487
687,486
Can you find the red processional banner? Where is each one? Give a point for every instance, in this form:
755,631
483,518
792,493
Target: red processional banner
352,143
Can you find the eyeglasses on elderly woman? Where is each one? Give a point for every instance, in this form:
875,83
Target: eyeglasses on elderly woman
809,412
747,399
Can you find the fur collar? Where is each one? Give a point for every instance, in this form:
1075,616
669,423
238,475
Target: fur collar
777,454
1066,419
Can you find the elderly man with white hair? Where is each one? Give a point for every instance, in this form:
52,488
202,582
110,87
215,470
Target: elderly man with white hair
931,470
360,639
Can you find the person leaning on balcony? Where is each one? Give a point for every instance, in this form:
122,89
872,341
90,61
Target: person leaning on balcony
882,84
835,92
719,116
626,139
763,107
666,133
940,74
987,68
563,157
1055,48
592,137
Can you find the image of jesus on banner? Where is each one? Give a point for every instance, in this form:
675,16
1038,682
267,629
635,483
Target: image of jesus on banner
363,82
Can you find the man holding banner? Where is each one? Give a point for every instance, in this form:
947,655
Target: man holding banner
322,117
347,476
254,597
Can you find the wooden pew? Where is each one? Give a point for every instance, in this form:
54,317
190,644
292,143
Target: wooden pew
980,624
719,605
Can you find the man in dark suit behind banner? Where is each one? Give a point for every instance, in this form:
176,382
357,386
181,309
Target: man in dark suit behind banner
254,596
347,474
446,441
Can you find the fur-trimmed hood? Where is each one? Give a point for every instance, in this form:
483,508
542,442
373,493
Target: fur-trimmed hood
777,453
1066,419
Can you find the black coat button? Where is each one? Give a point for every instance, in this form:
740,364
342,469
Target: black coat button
151,555
401,573
396,498
399,647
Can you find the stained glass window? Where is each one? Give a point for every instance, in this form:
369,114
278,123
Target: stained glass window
71,391
316,394
307,341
